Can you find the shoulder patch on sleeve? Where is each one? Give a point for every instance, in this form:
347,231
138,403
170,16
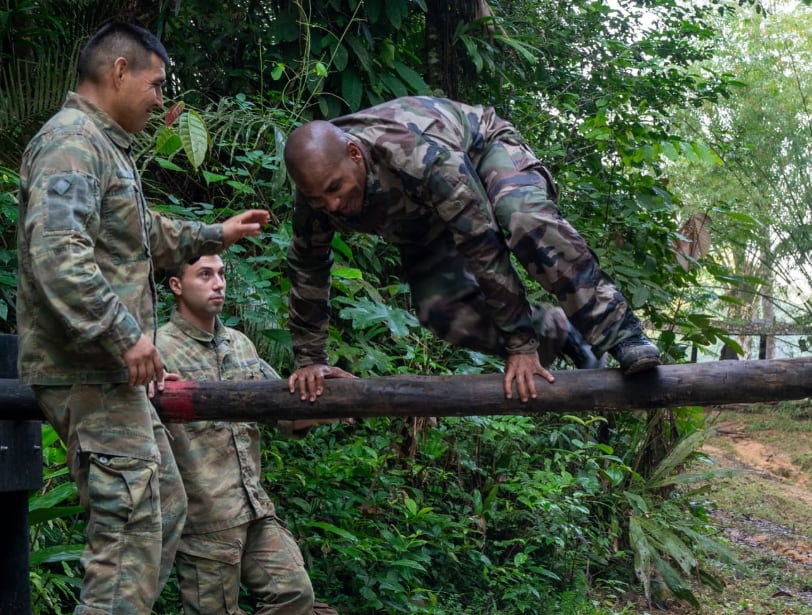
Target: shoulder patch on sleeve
71,200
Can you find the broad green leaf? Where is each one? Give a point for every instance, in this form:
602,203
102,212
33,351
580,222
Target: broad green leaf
213,178
57,553
362,55
241,187
329,527
53,512
669,544
669,151
394,85
194,136
167,142
408,563
340,246
52,497
678,456
642,555
528,52
640,296
280,336
366,314
348,273
411,78
706,154
743,217
341,57
351,89
395,9
637,503
167,164
673,580
411,506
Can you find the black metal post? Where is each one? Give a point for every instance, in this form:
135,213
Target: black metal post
20,471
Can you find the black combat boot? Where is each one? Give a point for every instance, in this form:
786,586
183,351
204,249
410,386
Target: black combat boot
635,353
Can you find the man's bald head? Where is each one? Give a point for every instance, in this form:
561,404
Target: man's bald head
312,147
328,168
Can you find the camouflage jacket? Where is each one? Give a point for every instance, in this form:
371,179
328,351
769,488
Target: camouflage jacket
422,156
86,243
218,460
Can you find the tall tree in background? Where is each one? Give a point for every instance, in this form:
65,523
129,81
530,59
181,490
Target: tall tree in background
763,131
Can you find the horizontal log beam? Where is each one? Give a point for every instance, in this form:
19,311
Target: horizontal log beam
761,327
594,391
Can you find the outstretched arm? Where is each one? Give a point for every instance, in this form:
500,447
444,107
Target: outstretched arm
246,224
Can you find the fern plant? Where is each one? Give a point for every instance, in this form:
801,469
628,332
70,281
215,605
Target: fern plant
670,536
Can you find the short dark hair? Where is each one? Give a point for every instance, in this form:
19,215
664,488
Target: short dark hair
176,272
118,39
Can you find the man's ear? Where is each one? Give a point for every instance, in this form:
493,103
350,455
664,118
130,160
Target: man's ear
175,286
120,68
354,152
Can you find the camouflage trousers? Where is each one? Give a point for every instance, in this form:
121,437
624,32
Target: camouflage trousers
522,200
262,554
129,484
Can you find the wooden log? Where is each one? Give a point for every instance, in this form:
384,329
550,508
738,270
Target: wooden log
594,391
761,327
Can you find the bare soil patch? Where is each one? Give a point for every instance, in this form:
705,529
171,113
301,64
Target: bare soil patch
764,509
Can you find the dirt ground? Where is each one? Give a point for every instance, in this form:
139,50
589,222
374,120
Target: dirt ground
764,508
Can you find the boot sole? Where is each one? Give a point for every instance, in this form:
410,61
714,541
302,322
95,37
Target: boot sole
642,364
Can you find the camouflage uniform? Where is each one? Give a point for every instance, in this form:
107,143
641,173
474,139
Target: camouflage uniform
458,191
86,243
231,530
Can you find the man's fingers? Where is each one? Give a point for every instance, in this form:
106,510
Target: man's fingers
531,388
547,376
292,382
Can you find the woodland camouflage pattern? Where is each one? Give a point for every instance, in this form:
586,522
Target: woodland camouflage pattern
457,190
231,532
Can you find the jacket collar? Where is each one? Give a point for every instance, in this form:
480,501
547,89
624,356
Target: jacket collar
106,124
196,333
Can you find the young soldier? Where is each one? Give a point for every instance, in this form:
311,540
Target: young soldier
232,533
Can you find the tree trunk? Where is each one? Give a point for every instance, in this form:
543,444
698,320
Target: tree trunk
445,59
592,391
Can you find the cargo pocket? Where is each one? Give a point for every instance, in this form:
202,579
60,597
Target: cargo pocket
209,574
123,494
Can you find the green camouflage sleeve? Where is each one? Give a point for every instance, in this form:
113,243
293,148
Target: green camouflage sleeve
310,258
62,221
176,241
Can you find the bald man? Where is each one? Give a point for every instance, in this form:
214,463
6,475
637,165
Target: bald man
458,191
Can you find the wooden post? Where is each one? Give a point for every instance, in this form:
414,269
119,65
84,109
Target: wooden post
20,471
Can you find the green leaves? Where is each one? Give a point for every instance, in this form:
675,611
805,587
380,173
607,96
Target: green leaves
366,314
193,136
663,531
188,132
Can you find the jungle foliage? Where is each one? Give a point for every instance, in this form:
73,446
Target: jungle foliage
472,515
